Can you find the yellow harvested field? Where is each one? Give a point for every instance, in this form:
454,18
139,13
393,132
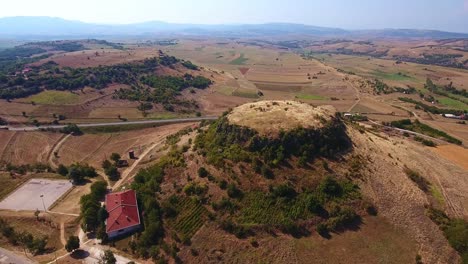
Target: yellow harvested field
27,147
456,154
270,117
95,148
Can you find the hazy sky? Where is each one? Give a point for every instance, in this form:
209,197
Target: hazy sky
451,15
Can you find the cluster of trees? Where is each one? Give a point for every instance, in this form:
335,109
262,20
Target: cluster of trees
189,65
381,87
451,89
50,76
110,168
419,127
25,168
93,215
68,46
446,60
226,141
77,172
14,59
146,184
164,89
448,91
430,108
35,245
71,129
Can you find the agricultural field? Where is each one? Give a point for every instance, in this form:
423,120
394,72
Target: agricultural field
16,147
94,148
402,74
53,98
191,217
274,73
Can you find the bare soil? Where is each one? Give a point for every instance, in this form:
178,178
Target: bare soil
270,117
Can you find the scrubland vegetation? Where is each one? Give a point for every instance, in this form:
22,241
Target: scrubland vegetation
419,127
455,230
35,245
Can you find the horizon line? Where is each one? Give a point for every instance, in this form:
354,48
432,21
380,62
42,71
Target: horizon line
233,24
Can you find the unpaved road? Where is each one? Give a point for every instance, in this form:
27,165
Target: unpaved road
128,171
55,149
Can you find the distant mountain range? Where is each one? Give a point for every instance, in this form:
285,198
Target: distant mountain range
49,27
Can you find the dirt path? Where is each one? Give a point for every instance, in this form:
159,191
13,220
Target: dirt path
59,213
62,233
92,154
55,149
358,94
129,170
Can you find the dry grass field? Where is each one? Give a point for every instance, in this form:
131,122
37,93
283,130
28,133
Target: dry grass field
27,147
456,154
279,116
95,148
101,57
375,242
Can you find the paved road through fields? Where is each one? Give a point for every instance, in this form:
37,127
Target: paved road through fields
144,122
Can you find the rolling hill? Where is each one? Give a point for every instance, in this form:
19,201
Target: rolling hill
49,27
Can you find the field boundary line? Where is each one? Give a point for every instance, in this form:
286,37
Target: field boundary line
98,148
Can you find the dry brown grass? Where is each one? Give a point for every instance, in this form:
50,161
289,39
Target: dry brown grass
95,148
375,242
270,117
400,201
456,154
28,147
97,57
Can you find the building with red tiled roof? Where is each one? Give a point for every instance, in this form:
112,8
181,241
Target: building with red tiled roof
124,216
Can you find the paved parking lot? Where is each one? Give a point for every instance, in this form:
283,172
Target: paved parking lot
28,196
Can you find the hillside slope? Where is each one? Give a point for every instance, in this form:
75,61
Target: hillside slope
320,190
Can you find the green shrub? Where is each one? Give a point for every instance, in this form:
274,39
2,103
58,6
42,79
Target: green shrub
202,172
420,181
233,191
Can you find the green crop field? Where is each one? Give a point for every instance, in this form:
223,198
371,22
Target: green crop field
54,98
191,217
310,97
241,60
453,103
245,93
400,76
261,209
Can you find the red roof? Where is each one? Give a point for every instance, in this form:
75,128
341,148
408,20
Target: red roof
123,210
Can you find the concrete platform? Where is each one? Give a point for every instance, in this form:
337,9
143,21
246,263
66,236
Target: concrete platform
28,196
